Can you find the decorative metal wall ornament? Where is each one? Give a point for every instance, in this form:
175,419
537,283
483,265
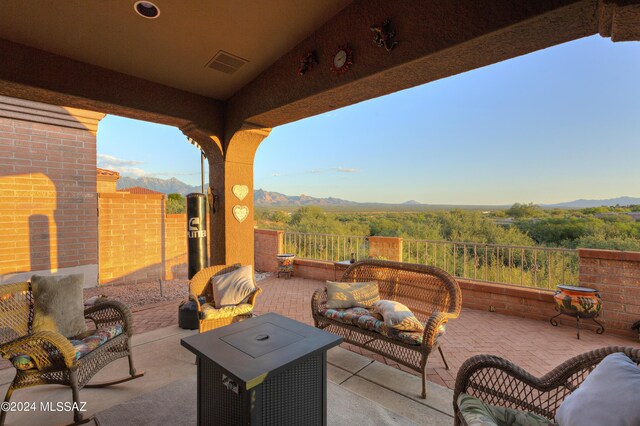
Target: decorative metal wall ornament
307,63
384,35
342,60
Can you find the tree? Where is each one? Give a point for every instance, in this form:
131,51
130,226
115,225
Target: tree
176,204
524,210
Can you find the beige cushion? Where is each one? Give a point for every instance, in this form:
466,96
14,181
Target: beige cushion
398,316
211,312
348,295
234,287
58,304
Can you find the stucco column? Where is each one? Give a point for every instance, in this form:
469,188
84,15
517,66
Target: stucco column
231,223
234,208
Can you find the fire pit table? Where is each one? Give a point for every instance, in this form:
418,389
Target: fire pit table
267,370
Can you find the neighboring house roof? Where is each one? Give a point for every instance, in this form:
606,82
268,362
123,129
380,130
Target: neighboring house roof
105,172
139,190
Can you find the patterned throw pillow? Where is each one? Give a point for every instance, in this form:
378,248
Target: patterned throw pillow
210,312
348,295
398,316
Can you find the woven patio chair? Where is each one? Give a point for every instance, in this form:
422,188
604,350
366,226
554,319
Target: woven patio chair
497,381
430,293
200,286
53,355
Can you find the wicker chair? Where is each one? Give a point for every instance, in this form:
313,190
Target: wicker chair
53,354
433,296
499,382
200,286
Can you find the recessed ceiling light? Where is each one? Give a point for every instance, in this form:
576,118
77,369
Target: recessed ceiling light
146,9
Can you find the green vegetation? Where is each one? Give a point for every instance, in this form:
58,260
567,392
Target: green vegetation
176,203
532,229
601,227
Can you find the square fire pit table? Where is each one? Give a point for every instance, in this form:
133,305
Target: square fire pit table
267,370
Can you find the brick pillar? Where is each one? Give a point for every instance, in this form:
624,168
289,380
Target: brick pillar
616,274
268,244
389,248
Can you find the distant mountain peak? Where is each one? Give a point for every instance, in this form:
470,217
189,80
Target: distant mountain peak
582,203
166,186
412,203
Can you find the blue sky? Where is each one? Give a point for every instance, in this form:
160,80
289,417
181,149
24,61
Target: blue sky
555,125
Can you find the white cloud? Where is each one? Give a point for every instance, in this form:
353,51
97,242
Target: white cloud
104,160
124,167
345,169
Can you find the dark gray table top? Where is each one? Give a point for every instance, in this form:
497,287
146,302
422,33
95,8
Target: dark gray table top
253,349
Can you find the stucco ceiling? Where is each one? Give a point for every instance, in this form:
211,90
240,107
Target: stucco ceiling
175,48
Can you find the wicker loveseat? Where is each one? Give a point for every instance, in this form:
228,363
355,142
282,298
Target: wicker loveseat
200,289
430,293
54,359
499,382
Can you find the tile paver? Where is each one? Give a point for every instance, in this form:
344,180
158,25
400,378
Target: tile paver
534,345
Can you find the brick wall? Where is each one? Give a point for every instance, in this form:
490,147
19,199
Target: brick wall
176,246
131,237
133,246
48,206
616,275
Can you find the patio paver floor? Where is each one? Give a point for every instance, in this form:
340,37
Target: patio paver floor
534,345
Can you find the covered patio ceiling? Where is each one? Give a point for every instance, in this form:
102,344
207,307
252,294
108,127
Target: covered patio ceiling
104,56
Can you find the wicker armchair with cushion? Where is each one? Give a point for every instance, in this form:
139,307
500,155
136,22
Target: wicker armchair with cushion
201,292
491,390
431,294
48,357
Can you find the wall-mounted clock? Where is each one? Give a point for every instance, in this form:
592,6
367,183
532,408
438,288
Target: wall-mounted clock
342,60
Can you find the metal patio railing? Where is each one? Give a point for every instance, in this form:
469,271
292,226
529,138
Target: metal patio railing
530,266
326,246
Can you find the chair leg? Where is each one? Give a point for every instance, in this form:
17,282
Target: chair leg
443,359
424,384
77,415
132,369
3,413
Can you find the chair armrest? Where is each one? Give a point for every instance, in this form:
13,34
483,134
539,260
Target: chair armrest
194,298
318,299
500,382
46,349
432,326
109,313
252,297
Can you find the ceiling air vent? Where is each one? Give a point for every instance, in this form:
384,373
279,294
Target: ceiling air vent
226,62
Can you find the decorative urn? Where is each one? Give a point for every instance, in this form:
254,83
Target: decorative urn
580,302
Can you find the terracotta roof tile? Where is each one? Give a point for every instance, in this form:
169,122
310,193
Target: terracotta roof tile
139,190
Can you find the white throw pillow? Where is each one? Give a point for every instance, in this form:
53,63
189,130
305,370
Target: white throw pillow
234,287
398,316
609,396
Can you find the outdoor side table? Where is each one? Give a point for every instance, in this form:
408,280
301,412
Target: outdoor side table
267,370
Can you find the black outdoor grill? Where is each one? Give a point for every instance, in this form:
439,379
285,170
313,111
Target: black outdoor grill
267,370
